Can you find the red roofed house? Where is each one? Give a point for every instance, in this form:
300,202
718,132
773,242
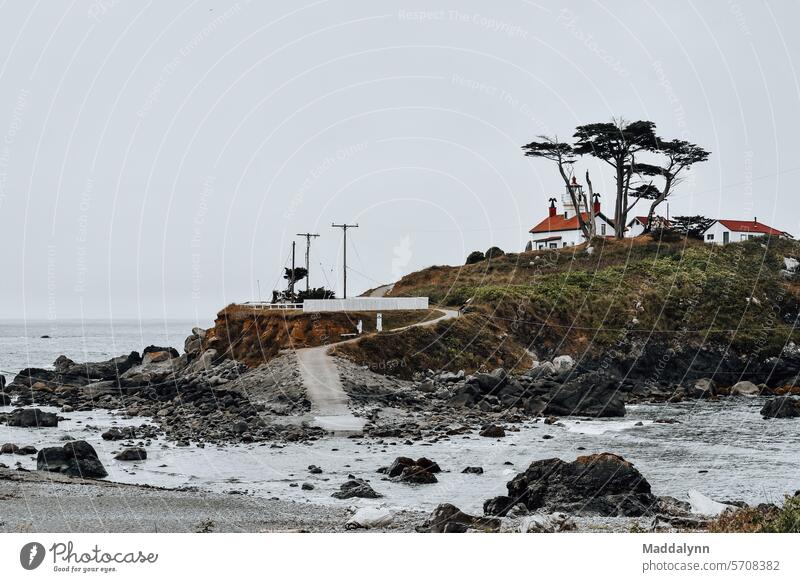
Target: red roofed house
724,231
559,230
638,225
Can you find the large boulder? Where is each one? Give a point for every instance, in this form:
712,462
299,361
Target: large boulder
131,454
5,399
356,488
31,417
595,395
602,484
745,388
407,470
781,407
448,518
75,458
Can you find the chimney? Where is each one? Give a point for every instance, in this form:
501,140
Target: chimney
597,204
552,207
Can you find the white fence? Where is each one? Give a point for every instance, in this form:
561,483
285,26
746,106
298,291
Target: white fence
365,304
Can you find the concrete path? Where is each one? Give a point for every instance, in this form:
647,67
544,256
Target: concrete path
329,401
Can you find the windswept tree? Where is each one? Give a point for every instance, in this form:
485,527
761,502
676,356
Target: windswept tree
679,156
628,148
563,156
692,226
617,143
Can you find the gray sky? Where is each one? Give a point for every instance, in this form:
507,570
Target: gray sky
157,158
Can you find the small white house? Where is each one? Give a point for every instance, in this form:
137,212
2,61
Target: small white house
638,225
725,231
559,230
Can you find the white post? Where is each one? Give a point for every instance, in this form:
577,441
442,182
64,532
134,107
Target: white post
379,323
360,326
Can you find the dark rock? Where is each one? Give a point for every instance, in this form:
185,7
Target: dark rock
173,353
594,394
27,450
306,487
9,449
499,505
5,399
602,484
492,431
31,417
356,488
407,470
131,454
314,470
473,470
117,434
447,518
781,407
76,458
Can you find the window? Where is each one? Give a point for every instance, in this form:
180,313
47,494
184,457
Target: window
565,244
603,229
709,237
745,236
553,245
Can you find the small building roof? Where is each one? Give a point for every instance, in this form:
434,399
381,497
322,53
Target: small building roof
559,223
643,220
750,226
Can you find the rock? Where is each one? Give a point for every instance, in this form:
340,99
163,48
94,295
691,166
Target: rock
781,407
407,470
356,488
307,486
473,470
314,470
702,388
499,505
703,505
118,434
563,364
447,518
153,354
745,388
76,458
9,449
5,399
32,417
131,454
27,450
595,394
369,517
602,484
539,523
240,427
492,431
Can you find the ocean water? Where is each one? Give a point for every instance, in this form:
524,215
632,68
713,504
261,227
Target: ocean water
22,345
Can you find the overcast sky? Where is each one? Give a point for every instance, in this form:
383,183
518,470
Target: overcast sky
157,158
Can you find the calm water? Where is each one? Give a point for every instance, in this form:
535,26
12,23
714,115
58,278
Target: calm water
21,344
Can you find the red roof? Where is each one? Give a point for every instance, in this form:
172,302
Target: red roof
643,220
558,222
750,226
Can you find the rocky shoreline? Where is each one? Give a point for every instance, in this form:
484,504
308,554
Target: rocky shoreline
201,397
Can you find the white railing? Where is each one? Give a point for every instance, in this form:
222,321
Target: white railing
366,304
272,306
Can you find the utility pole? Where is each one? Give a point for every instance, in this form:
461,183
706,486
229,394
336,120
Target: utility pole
308,236
344,228
291,279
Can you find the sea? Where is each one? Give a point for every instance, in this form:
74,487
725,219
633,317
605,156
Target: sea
37,343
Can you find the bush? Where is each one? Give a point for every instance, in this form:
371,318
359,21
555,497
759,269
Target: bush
760,519
475,257
494,252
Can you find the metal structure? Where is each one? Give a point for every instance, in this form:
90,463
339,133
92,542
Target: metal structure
344,228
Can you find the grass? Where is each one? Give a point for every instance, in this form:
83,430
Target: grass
761,519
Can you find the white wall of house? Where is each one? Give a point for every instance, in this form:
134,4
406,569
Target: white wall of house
635,229
568,238
719,234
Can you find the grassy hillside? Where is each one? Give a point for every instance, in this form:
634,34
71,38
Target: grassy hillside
673,295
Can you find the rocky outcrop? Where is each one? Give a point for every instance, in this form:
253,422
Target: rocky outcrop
407,470
595,395
76,459
602,484
745,388
448,518
356,488
781,407
31,418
